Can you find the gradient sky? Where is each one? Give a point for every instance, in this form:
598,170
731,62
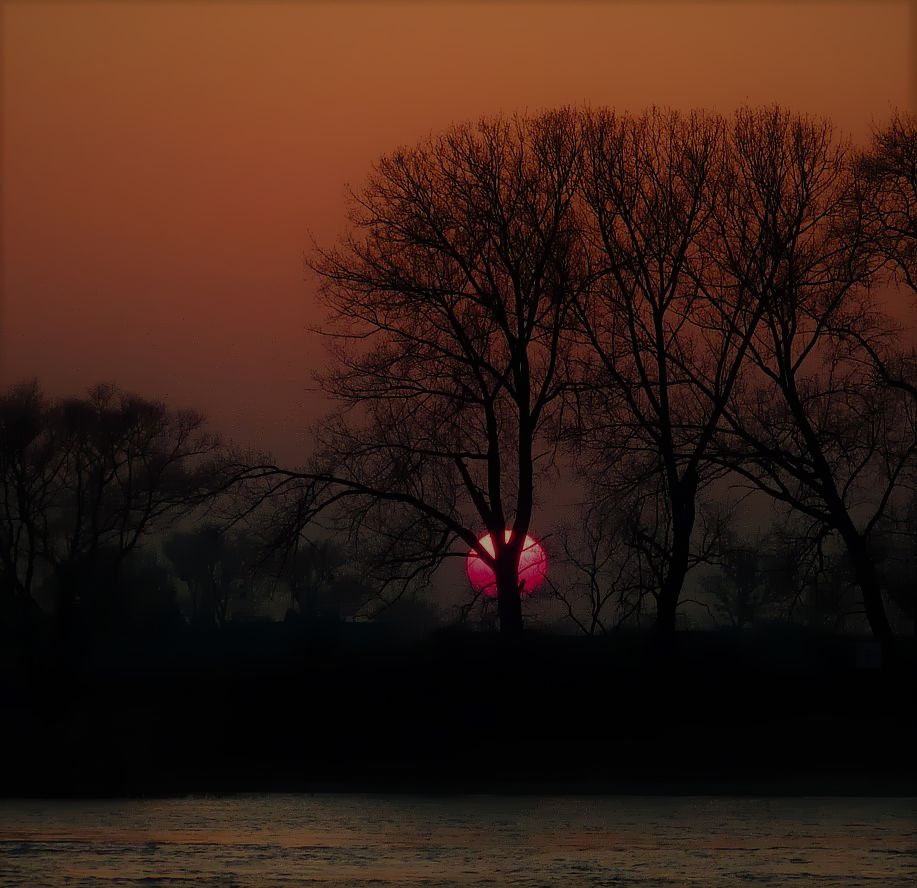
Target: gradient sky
164,165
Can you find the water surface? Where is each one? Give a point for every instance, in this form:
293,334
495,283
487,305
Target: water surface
342,840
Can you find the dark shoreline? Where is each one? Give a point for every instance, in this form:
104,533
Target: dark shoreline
270,708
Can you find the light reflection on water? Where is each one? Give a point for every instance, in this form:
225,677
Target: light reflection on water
341,840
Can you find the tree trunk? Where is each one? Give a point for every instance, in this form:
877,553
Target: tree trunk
509,601
683,514
867,578
667,603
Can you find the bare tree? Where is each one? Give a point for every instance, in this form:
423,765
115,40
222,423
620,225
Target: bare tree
896,549
449,303
754,579
31,476
811,423
666,330
882,217
887,195
604,588
220,568
84,481
197,558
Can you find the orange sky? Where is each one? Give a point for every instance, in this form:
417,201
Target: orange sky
164,164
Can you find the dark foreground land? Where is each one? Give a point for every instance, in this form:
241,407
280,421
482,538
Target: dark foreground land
271,707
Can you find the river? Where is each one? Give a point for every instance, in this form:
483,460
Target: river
388,840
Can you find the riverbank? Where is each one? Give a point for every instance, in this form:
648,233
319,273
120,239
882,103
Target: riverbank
270,708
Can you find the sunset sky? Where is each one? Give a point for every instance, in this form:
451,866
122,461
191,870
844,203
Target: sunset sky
165,165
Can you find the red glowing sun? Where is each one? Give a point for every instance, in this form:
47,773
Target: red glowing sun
533,566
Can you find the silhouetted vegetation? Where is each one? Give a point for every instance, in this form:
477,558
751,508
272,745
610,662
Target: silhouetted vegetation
83,483
887,196
449,310
272,707
680,313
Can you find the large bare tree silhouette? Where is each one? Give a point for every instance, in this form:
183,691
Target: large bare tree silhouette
449,303
666,329
815,423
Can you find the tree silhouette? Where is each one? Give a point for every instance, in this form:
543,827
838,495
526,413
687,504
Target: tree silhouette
85,481
603,587
887,198
221,567
666,328
751,582
448,305
198,560
310,573
882,214
688,295
813,424
30,480
895,545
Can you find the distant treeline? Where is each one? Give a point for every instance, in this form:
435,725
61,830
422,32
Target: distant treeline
113,516
679,312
